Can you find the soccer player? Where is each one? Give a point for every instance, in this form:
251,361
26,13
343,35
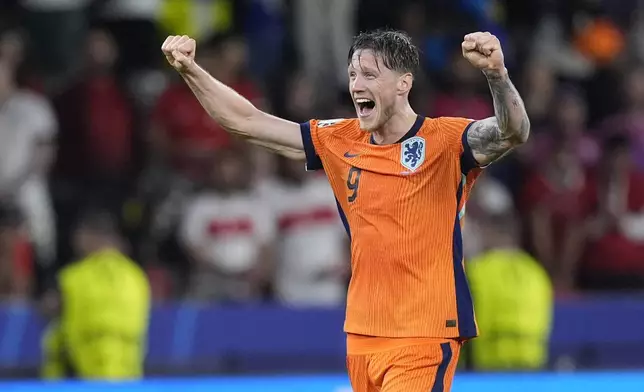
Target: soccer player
401,181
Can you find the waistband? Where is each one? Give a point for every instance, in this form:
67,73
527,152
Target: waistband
362,344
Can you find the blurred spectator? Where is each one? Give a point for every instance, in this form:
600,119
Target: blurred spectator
94,163
27,132
630,122
553,202
514,302
615,254
567,126
13,49
99,313
96,147
313,264
183,134
463,98
228,234
489,198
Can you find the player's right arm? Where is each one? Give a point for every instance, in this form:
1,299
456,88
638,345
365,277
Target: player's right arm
232,111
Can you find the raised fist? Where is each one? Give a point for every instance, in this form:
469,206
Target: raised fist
179,50
483,50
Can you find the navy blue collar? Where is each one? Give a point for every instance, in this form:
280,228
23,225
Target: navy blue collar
411,133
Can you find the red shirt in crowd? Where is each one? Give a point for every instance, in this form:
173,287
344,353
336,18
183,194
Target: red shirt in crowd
613,251
187,128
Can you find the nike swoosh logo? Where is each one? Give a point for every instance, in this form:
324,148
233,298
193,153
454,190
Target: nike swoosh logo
349,155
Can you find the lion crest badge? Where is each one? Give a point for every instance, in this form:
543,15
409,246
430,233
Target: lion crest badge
412,153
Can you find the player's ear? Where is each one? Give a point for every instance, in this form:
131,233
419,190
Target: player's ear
404,83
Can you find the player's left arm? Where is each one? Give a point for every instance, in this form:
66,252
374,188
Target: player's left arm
493,137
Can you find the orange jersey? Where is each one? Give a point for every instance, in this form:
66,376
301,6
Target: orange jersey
402,206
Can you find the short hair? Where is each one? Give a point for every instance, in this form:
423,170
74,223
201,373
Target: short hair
394,47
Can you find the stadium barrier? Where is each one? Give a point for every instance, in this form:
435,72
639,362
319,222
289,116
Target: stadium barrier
190,339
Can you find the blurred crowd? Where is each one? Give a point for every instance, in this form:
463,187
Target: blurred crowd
91,119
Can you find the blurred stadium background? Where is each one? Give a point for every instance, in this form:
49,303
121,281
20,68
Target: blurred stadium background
105,155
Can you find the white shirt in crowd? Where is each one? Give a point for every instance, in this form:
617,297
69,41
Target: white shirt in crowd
312,242
228,230
27,119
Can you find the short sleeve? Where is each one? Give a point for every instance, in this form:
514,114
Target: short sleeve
455,130
315,138
308,130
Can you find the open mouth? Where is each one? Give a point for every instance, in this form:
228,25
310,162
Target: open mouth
365,106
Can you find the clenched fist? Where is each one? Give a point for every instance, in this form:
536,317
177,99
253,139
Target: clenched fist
180,50
483,50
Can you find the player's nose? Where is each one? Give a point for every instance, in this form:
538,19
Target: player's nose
357,85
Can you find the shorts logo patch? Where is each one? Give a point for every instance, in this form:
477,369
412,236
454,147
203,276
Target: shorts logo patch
412,153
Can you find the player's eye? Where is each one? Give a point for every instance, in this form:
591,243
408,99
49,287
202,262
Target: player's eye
369,75
352,75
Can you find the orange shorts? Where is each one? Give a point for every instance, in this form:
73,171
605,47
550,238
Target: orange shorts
401,365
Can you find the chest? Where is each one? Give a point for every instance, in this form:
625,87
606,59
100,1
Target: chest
383,179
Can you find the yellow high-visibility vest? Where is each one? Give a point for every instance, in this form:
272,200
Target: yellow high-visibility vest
513,298
197,18
105,297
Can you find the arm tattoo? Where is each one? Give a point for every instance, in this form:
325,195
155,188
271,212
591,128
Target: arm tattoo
493,137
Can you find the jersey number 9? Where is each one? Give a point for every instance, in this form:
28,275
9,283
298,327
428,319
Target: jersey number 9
353,182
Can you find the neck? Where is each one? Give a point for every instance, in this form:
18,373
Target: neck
396,127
